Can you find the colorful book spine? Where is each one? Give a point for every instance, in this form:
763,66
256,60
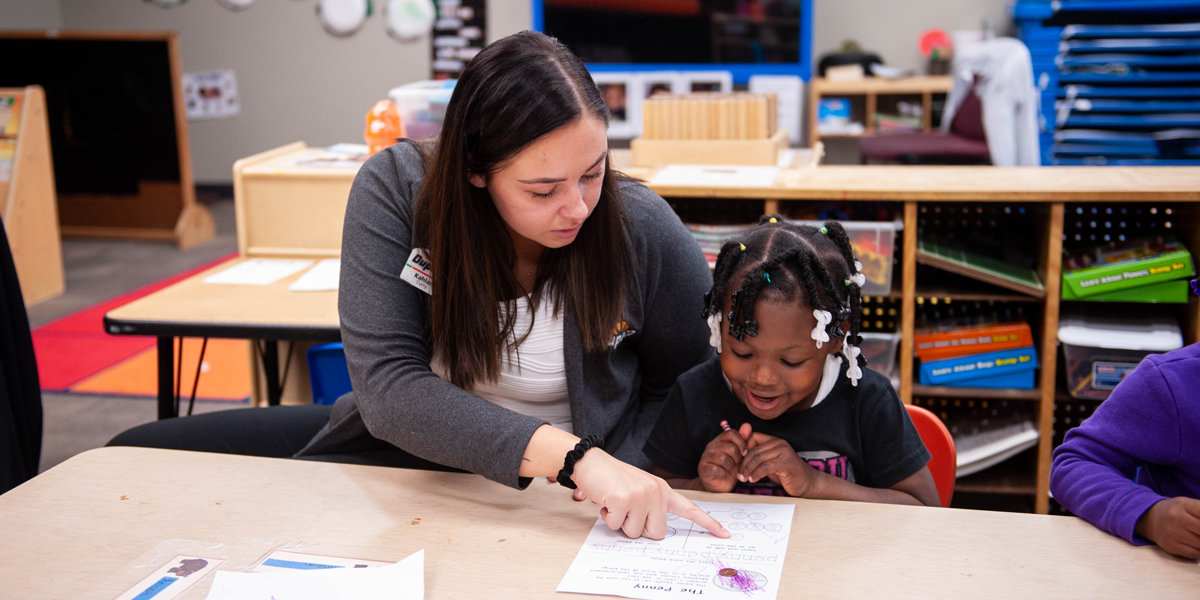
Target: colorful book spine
1130,266
956,343
1006,368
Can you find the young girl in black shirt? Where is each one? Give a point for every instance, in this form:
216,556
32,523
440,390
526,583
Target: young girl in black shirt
785,311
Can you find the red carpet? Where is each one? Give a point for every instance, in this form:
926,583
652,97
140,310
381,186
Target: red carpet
76,347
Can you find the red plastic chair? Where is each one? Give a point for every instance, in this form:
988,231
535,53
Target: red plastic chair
937,440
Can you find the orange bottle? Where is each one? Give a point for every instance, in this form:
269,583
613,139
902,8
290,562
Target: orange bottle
383,126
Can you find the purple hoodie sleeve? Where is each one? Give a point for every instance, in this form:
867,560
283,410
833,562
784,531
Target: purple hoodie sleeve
1093,470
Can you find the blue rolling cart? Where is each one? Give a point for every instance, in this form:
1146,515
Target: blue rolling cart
1120,79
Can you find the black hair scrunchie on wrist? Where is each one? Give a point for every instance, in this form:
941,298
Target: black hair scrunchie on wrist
587,443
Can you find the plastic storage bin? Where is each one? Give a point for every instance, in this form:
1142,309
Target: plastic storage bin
880,351
874,245
422,106
1100,351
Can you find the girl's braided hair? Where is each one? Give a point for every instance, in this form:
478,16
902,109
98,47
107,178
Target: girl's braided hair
788,262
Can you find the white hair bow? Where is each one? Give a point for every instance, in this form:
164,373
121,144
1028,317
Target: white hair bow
819,333
853,372
859,278
714,328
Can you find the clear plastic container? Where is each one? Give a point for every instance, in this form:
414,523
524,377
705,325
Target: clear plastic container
874,245
1101,351
422,106
880,350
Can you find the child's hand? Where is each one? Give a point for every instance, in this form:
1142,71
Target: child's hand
719,464
1173,524
773,458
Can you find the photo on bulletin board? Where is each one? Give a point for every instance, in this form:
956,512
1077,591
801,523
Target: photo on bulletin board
708,81
620,92
658,83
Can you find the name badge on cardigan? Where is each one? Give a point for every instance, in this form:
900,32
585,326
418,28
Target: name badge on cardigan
418,272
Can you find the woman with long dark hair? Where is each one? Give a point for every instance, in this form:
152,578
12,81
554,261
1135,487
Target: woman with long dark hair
510,306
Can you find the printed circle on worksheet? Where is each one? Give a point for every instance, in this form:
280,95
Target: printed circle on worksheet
758,516
774,527
744,581
670,532
739,515
736,536
737,526
671,517
755,527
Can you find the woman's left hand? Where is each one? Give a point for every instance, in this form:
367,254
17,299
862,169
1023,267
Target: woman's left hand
774,458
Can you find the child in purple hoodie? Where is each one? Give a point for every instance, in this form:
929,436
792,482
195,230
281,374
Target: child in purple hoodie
1149,428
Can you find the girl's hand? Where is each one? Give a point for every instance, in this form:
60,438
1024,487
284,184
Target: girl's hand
721,459
633,500
1173,524
771,457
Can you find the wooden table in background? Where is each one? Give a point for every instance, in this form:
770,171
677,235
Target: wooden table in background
76,530
192,308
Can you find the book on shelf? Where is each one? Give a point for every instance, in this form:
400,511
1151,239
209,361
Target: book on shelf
955,259
965,341
989,446
1138,270
1012,369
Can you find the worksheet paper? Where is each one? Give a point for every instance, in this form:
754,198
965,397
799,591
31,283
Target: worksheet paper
259,271
715,176
321,278
404,580
689,561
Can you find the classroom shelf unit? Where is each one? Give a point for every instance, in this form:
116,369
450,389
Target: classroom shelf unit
27,194
1047,193
870,89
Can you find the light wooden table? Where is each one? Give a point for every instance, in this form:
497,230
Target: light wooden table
97,523
255,312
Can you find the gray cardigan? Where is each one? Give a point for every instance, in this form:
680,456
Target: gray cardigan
397,398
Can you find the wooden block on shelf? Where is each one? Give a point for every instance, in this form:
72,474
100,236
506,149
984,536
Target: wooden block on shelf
648,153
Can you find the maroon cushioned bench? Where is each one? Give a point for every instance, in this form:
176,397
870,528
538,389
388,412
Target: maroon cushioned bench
966,143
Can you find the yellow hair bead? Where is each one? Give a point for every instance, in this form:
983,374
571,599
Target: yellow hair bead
743,247
774,220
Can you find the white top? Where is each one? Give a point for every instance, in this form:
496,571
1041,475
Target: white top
533,379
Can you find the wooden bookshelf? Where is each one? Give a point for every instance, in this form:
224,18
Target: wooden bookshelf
27,194
1047,189
870,89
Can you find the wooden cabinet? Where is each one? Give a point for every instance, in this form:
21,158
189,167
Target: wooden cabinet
1052,196
27,199
870,89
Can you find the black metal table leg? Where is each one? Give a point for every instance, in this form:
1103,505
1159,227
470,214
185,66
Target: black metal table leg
166,378
271,372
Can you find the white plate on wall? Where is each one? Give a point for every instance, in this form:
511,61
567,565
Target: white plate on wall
343,18
408,20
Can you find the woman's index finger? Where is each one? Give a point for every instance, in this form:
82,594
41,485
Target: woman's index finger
678,505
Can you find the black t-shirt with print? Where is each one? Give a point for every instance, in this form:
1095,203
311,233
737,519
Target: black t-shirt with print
861,434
